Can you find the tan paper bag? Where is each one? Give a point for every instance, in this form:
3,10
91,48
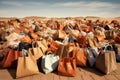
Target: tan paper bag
27,66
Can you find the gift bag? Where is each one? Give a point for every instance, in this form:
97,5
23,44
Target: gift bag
80,55
54,47
43,44
60,50
106,61
91,56
27,65
63,50
67,66
49,63
82,41
116,48
109,34
72,32
93,43
36,51
60,34
11,56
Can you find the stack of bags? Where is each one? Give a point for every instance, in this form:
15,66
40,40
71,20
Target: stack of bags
62,45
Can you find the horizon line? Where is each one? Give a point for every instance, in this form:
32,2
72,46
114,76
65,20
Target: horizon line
57,16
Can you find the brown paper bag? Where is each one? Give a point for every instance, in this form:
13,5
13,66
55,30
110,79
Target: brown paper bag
27,66
11,56
36,51
109,34
54,47
60,34
67,66
80,55
43,45
106,62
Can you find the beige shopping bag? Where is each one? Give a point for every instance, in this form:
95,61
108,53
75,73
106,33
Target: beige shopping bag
106,62
27,66
36,51
43,44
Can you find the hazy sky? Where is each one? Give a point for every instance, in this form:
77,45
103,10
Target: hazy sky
59,8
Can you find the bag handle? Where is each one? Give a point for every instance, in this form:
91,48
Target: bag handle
24,53
67,53
49,52
34,44
61,45
77,45
64,50
105,49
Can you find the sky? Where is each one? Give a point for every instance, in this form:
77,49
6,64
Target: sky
59,8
